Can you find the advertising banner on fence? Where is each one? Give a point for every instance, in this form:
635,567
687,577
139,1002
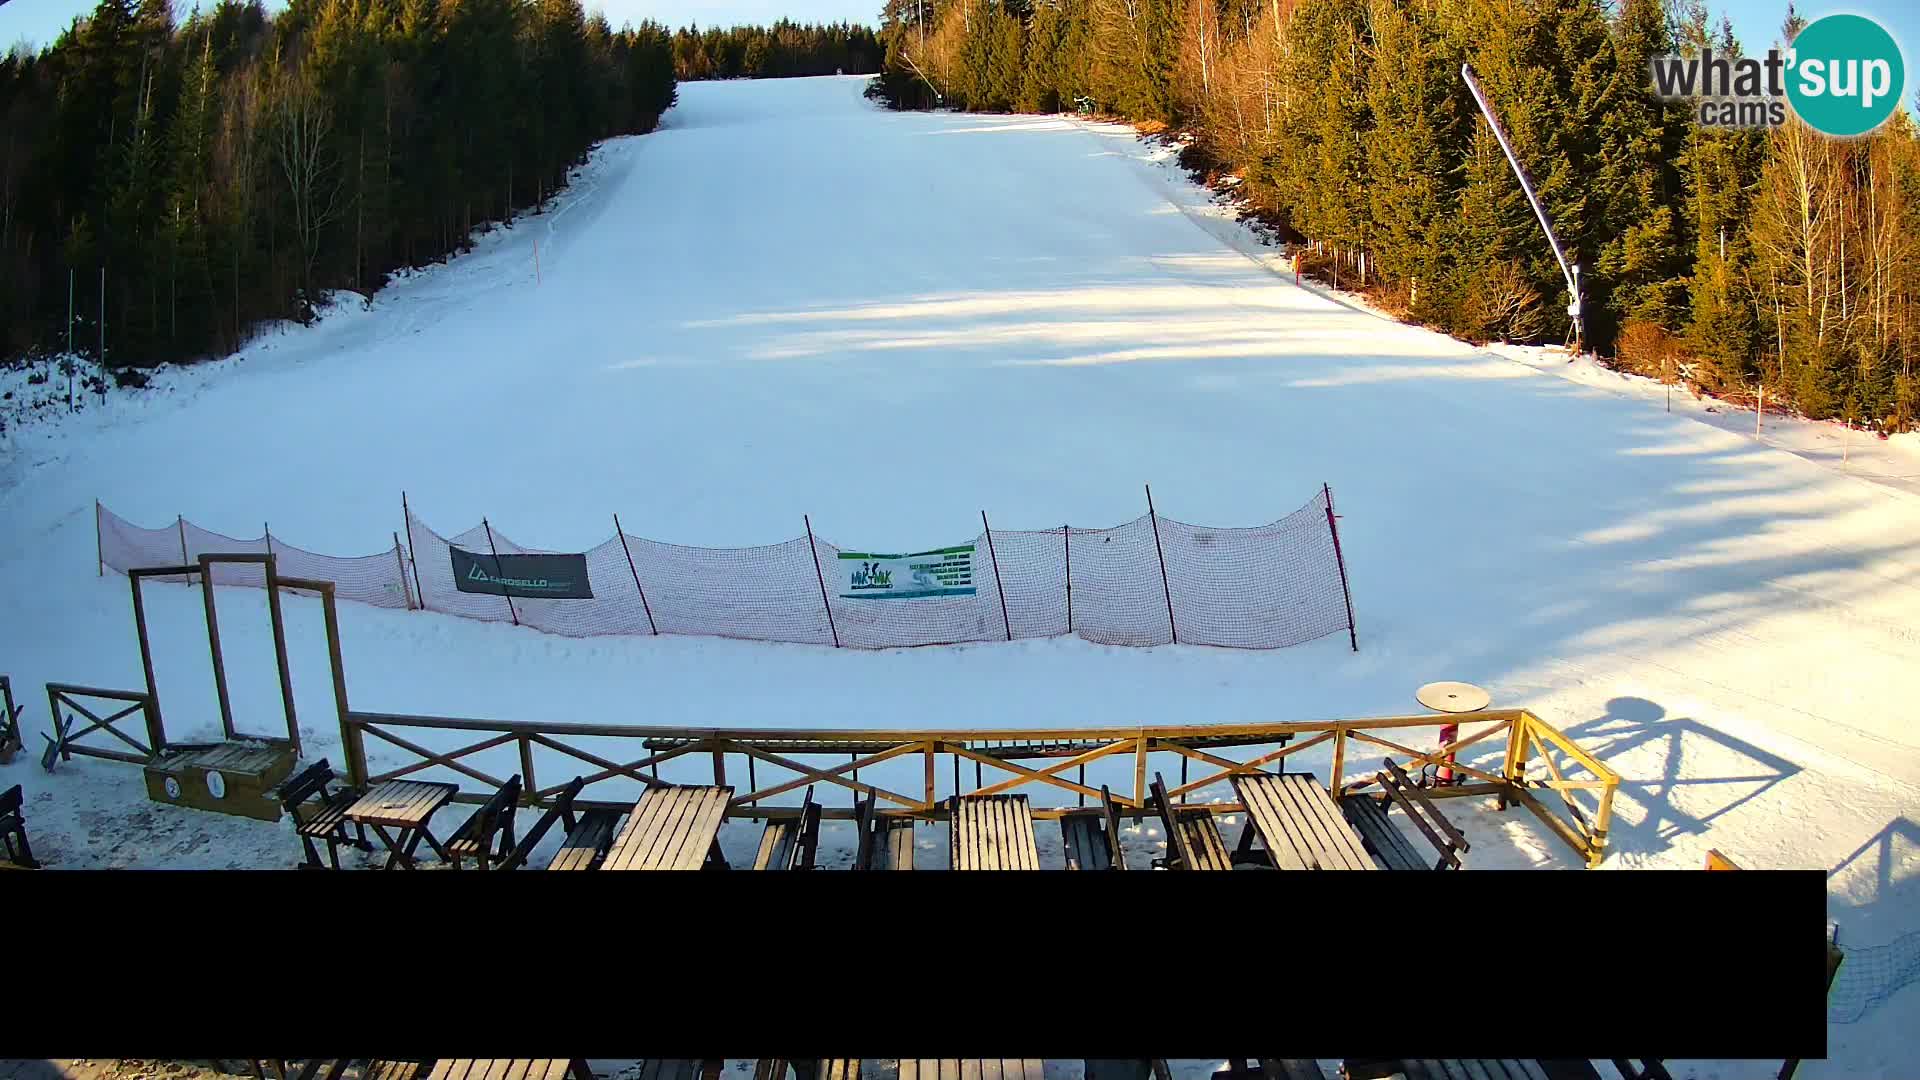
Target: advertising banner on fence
535,577
941,572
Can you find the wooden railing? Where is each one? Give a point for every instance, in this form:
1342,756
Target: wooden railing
1059,758
68,696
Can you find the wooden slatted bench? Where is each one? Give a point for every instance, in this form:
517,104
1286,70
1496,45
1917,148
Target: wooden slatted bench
886,841
789,843
13,830
1272,1069
672,827
491,825
975,1069
1092,837
1457,1069
510,1069
992,832
336,1068
1368,814
681,1069
1193,840
321,814
1297,824
587,837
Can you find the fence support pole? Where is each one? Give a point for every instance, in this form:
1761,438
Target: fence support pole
407,513
505,590
180,521
400,563
99,553
622,534
814,554
1154,518
1340,561
997,584
1066,545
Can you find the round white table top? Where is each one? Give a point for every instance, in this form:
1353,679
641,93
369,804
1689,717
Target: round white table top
1453,697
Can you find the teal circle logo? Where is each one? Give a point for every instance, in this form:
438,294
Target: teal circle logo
1845,75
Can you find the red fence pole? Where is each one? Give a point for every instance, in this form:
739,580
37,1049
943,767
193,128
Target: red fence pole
814,554
997,584
1164,587
1341,561
505,590
407,513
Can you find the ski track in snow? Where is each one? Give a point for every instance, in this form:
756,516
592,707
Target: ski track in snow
738,316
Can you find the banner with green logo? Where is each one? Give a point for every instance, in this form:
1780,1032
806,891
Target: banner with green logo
946,571
535,577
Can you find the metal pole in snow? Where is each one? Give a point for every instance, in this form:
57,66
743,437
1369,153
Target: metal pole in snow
1759,407
70,364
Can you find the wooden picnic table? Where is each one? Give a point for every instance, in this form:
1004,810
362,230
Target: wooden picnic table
406,805
993,832
508,1069
1298,824
673,827
978,1069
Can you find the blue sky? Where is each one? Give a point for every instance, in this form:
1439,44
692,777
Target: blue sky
1756,21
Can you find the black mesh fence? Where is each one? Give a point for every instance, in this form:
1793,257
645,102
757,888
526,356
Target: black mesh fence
1150,581
1869,976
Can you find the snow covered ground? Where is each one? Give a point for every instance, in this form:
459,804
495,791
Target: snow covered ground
788,301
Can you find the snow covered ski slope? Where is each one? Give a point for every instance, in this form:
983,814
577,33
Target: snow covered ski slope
788,301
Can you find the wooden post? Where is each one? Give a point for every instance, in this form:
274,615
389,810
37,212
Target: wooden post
1340,561
156,732
1339,762
213,647
407,513
505,590
351,740
813,552
622,534
719,768
930,749
1001,586
1139,775
400,560
1165,589
279,622
1066,544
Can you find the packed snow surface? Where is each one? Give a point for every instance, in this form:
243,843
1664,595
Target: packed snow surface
788,301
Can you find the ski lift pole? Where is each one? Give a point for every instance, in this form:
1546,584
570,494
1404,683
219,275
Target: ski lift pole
1568,268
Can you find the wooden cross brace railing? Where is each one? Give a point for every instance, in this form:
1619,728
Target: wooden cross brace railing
63,695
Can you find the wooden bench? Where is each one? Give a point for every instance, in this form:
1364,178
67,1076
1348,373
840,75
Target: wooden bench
682,1069
334,1068
992,832
13,829
1193,840
789,843
672,827
1091,838
510,1069
321,814
491,825
977,1069
1126,1069
1297,824
1446,1069
587,837
886,841
807,1068
10,743
1368,815
1272,1069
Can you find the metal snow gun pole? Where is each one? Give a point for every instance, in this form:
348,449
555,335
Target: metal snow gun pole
1570,269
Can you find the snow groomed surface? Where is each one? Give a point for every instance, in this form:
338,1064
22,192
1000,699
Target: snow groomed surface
741,318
